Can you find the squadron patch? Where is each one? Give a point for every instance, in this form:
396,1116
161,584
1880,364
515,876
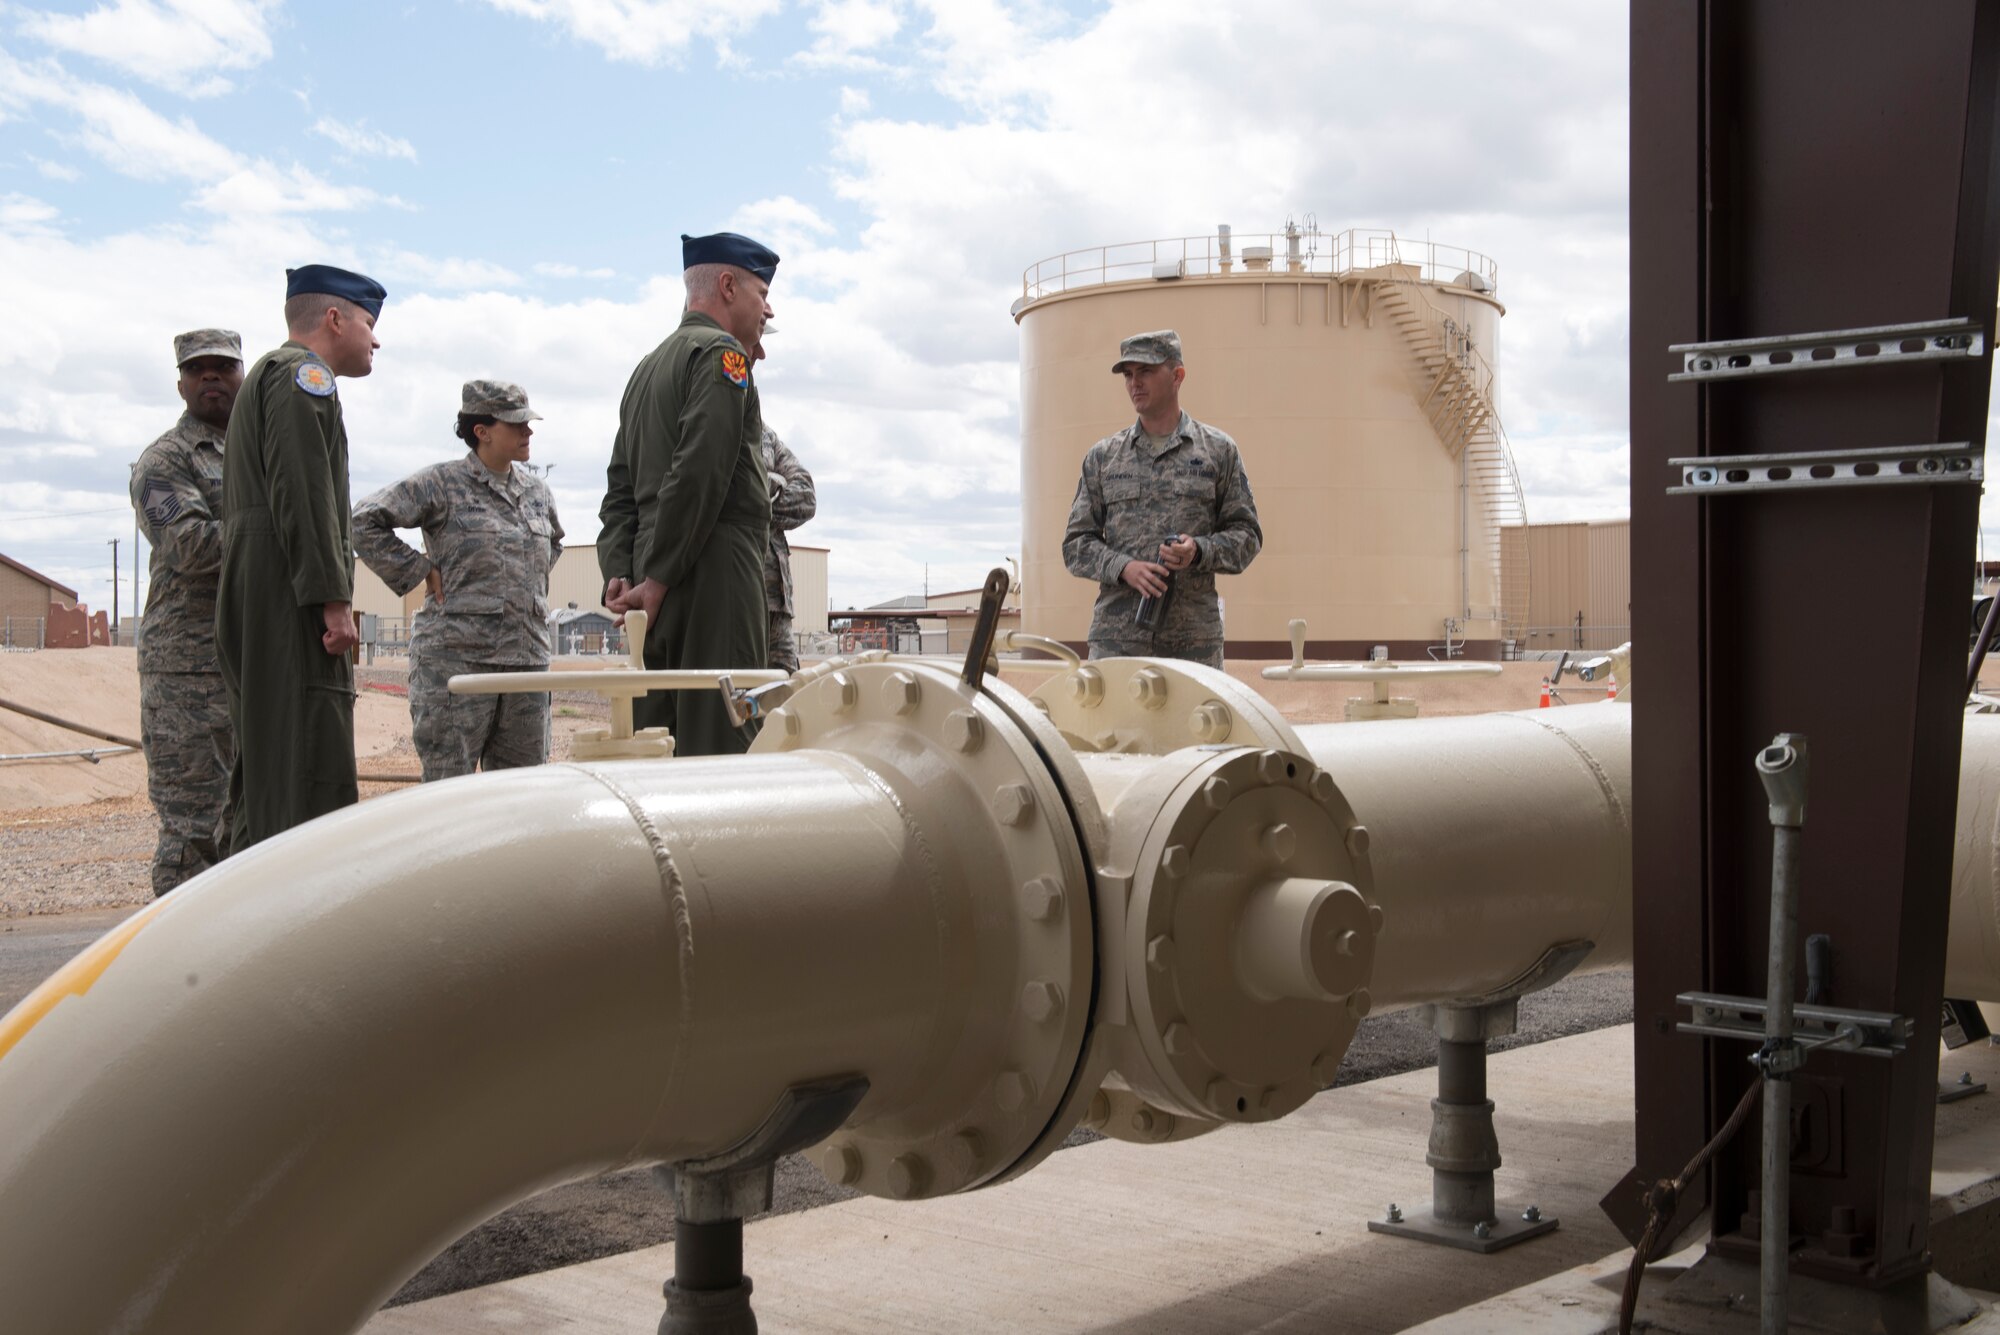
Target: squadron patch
734,368
314,379
160,502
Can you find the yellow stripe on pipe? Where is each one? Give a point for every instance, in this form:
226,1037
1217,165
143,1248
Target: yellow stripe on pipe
74,978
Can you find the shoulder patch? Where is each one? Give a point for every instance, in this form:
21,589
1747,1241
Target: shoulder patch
160,502
735,369
314,379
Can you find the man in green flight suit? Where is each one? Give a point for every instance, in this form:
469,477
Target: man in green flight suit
687,508
284,617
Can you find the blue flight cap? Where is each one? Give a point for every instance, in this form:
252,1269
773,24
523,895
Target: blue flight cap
324,279
729,248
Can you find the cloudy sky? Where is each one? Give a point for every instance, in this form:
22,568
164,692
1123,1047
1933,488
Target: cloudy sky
517,172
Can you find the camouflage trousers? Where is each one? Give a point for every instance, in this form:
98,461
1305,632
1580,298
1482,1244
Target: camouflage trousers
782,651
1194,651
456,734
184,724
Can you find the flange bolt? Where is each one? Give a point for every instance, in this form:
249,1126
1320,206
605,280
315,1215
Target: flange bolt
1533,1214
1012,802
964,730
1148,688
1482,1230
901,692
1210,722
1394,1214
1042,898
1041,1001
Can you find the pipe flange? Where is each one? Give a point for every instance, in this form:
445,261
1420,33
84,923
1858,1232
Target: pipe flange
1151,706
1017,922
1252,938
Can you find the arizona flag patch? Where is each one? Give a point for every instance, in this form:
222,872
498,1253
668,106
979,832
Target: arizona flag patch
735,368
314,379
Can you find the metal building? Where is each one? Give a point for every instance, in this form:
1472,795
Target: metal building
1570,584
1356,371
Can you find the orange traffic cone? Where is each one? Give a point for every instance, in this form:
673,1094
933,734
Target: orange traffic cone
1611,688
1545,694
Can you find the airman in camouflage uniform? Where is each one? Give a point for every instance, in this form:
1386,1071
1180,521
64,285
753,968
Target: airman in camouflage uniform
183,711
490,539
1164,500
793,502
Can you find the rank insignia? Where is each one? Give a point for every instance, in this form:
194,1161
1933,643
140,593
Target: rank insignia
315,379
735,368
161,503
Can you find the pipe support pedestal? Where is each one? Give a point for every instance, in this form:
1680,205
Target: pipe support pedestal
1464,1150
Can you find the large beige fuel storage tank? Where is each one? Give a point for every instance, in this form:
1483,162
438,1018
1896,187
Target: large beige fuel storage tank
1356,373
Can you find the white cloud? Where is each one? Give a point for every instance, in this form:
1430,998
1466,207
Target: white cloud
25,212
121,131
263,187
360,141
854,101
449,274
646,32
845,31
55,171
552,269
175,44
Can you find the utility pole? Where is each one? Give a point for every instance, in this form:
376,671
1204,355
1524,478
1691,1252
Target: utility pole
114,585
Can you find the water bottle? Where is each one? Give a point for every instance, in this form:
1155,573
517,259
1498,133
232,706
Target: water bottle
1153,607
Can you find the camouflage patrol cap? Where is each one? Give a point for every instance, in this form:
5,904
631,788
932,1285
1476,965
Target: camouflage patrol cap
501,400
207,343
1149,349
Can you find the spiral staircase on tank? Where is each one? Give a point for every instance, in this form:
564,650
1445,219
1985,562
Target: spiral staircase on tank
1456,388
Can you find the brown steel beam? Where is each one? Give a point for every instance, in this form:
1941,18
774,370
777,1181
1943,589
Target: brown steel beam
1800,167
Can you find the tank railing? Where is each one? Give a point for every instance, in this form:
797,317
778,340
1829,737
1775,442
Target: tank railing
1357,250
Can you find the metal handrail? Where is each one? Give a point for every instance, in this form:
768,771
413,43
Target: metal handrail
1296,250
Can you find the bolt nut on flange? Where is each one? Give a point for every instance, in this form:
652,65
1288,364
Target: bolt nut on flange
1086,687
963,730
1012,802
1394,1214
1211,722
1041,1001
1482,1230
901,692
1148,688
841,1164
1533,1214
1042,899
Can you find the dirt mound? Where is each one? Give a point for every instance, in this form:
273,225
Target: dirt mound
100,687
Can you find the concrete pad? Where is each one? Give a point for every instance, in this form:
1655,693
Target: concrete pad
1252,1228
